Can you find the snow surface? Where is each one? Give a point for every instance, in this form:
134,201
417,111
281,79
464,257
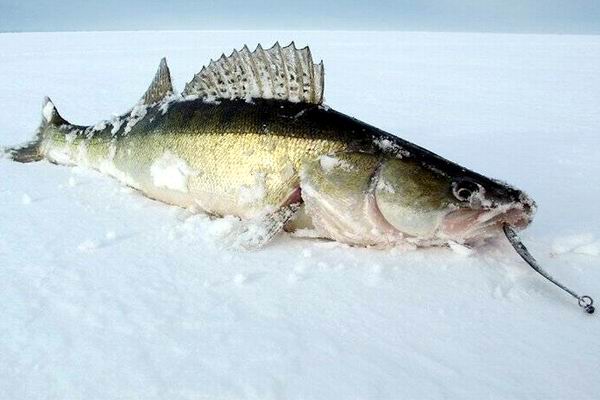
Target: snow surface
105,294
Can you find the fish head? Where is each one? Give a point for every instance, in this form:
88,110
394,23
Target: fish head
482,206
443,201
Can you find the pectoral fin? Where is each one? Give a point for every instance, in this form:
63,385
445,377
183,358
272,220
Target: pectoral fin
254,233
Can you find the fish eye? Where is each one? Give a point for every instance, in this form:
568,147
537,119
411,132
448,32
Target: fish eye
463,190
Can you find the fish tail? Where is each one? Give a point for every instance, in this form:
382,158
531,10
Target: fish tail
31,151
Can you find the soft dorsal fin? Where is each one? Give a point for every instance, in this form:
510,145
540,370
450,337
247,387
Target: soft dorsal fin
282,73
160,87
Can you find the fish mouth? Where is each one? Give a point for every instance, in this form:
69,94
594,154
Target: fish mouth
467,224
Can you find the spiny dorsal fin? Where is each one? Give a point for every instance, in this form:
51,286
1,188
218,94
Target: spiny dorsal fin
282,73
160,87
50,115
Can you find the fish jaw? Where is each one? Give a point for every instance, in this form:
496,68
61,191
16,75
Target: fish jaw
465,225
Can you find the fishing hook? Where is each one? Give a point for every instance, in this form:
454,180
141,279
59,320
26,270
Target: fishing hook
586,302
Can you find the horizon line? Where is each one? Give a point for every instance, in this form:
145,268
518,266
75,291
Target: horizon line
303,30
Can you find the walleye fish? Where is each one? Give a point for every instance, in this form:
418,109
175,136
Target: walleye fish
251,137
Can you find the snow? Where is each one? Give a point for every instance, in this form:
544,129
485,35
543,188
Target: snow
116,122
107,294
25,199
100,126
460,249
171,172
48,111
255,192
137,113
70,137
166,102
581,244
385,186
328,163
389,146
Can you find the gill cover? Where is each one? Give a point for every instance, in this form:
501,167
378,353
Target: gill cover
338,193
412,198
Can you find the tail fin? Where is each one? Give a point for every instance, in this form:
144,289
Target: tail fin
31,151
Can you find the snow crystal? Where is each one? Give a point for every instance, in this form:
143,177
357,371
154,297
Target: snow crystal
388,145
374,277
376,269
208,99
167,101
87,246
293,277
385,186
306,233
25,199
579,244
100,126
250,194
137,113
240,279
116,123
220,228
190,97
164,107
385,144
70,137
60,155
460,249
479,199
171,172
328,163
300,268
592,249
48,111
247,235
